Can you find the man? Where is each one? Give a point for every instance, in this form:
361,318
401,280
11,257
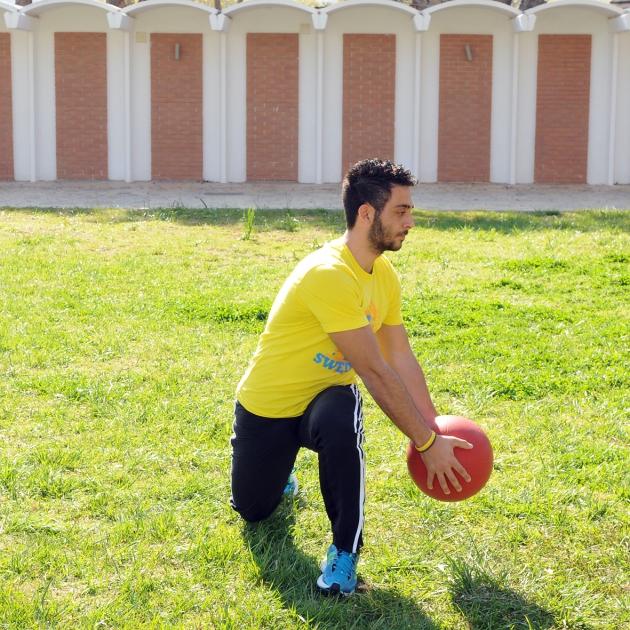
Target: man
337,315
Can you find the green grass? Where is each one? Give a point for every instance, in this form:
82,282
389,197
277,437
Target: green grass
123,335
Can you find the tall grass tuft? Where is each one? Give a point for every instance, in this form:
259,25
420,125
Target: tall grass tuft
249,216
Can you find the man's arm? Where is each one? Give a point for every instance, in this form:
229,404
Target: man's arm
362,350
394,345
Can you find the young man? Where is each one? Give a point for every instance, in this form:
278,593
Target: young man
337,315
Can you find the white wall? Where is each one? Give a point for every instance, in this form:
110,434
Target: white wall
116,104
526,107
351,19
307,142
140,110
622,135
211,104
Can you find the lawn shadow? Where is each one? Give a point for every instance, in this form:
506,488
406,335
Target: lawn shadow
509,222
488,605
503,222
292,575
264,218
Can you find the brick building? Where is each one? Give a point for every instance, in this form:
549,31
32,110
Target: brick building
467,90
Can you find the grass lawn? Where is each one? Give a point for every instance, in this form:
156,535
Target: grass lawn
123,335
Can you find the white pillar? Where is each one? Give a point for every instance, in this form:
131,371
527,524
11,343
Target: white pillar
223,107
613,110
320,20
221,23
127,37
520,24
416,104
515,55
421,24
320,107
620,24
31,104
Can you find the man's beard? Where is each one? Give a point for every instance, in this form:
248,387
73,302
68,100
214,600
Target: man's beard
380,240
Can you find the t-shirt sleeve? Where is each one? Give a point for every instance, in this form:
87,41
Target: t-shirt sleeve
333,295
394,312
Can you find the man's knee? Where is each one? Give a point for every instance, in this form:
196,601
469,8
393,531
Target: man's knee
253,513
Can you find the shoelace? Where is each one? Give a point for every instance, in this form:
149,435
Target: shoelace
344,563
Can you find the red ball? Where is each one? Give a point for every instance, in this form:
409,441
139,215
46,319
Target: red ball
477,461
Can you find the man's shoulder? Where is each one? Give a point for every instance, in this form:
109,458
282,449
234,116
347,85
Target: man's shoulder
332,251
329,258
325,272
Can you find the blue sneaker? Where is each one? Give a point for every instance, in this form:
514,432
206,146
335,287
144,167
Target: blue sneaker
291,489
339,572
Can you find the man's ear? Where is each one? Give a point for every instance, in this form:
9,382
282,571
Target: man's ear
366,212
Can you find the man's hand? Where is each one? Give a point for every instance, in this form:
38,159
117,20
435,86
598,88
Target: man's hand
440,461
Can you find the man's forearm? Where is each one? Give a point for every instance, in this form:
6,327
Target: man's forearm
410,373
392,397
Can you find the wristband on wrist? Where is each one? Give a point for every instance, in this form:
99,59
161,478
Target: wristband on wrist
428,444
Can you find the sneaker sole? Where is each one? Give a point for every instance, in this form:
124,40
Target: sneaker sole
335,589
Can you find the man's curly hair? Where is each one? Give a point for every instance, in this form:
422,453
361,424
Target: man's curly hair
371,181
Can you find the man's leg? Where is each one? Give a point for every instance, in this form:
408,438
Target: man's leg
263,454
332,426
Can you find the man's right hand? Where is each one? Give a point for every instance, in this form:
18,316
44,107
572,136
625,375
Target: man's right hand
440,461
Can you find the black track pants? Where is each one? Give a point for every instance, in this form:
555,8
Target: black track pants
264,452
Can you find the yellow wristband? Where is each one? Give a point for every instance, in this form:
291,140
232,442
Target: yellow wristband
428,444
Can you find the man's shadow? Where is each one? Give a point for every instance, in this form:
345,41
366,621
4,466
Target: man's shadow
489,605
292,575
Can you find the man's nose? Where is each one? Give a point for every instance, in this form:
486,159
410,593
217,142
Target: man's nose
410,222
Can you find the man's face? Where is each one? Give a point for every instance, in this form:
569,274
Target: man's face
389,228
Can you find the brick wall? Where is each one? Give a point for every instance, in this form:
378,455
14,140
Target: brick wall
6,109
81,104
562,108
465,108
176,107
369,97
272,106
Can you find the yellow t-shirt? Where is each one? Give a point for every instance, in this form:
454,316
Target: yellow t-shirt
296,359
